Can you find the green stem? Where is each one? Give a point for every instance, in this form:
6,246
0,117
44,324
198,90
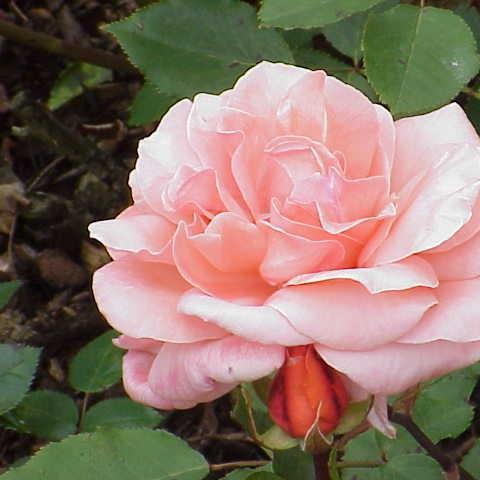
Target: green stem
214,467
83,411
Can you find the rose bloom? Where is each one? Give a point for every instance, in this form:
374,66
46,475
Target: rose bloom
292,211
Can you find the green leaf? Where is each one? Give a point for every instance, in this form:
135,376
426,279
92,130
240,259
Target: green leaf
73,80
115,455
309,13
190,46
318,60
16,374
471,461
406,467
149,105
248,407
471,16
346,35
120,413
264,476
442,409
9,358
7,289
418,59
244,473
96,366
276,439
47,414
372,446
293,464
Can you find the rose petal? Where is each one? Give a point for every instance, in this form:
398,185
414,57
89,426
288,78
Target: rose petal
446,125
441,205
160,154
262,323
378,417
136,367
194,266
394,368
146,235
260,90
325,311
140,300
459,263
203,371
289,255
409,273
455,318
352,126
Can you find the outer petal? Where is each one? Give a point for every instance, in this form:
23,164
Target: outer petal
459,263
136,367
325,311
409,273
260,90
140,299
455,318
144,234
395,367
448,124
163,152
262,323
440,206
203,371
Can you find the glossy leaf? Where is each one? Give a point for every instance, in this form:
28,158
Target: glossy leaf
471,461
319,60
17,369
372,446
442,409
190,46
346,35
293,464
245,473
120,413
149,105
309,13
96,366
418,59
7,289
47,414
115,455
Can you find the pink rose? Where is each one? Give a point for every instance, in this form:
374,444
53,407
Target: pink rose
290,211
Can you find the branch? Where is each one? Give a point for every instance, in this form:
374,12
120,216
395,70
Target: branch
214,467
51,44
446,461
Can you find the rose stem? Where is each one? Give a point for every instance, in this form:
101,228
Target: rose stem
54,45
446,462
320,460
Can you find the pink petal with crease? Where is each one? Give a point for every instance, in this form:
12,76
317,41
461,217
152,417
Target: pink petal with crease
395,367
140,300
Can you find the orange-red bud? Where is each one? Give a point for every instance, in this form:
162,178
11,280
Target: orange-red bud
303,389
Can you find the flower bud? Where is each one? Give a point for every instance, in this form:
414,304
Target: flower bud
305,390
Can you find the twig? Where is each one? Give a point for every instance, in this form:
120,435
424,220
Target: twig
51,44
433,450
320,461
214,467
